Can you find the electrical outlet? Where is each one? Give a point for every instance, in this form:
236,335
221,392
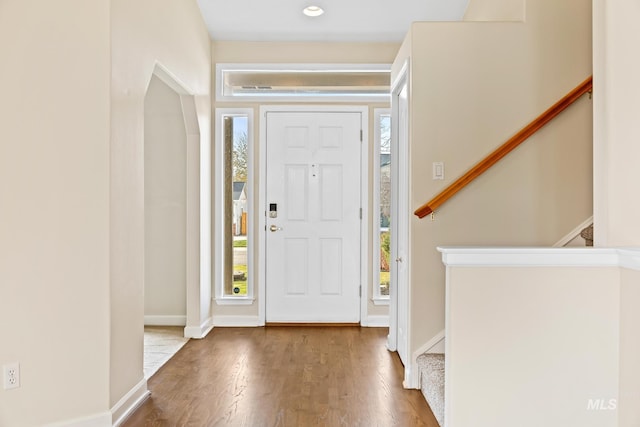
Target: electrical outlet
11,373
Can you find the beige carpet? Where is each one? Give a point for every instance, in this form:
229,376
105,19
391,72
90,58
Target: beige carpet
431,366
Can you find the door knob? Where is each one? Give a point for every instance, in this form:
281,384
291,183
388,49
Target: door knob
399,259
274,228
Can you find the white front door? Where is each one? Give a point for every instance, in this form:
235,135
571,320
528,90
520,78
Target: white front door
313,216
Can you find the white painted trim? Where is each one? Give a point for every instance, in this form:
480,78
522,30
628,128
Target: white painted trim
448,369
528,257
390,344
574,233
206,255
150,320
400,212
262,220
236,321
377,321
200,332
193,236
541,257
380,301
129,403
402,74
629,258
171,80
411,376
392,338
429,345
234,301
364,202
102,419
365,262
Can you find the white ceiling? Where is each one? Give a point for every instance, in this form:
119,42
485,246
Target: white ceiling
343,20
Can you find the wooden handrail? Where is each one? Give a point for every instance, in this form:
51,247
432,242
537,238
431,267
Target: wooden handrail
505,148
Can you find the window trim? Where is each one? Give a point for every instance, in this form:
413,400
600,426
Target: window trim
219,229
376,297
222,68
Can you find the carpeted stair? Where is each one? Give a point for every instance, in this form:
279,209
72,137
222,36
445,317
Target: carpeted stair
431,366
587,235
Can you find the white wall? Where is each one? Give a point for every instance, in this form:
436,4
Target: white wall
72,216
616,132
537,343
145,34
474,85
629,377
616,124
495,10
165,169
558,330
616,151
54,209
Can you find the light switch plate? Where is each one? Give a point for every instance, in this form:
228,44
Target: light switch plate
438,170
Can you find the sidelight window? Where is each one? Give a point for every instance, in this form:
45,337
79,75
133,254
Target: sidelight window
382,203
233,205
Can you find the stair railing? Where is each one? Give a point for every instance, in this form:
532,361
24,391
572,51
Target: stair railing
513,142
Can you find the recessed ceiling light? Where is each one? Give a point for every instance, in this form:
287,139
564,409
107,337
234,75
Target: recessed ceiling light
313,11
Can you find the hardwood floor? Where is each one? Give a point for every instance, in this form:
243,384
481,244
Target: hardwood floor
284,376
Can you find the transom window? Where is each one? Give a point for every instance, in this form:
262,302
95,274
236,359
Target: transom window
303,82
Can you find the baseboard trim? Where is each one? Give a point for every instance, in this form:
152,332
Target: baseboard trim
573,233
410,372
429,345
237,321
102,419
199,332
129,403
165,320
381,321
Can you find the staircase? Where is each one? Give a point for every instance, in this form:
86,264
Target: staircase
431,368
431,365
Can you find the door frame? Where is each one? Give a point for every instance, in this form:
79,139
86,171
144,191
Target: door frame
400,215
260,292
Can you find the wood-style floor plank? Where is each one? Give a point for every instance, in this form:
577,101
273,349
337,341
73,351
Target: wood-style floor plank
281,377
